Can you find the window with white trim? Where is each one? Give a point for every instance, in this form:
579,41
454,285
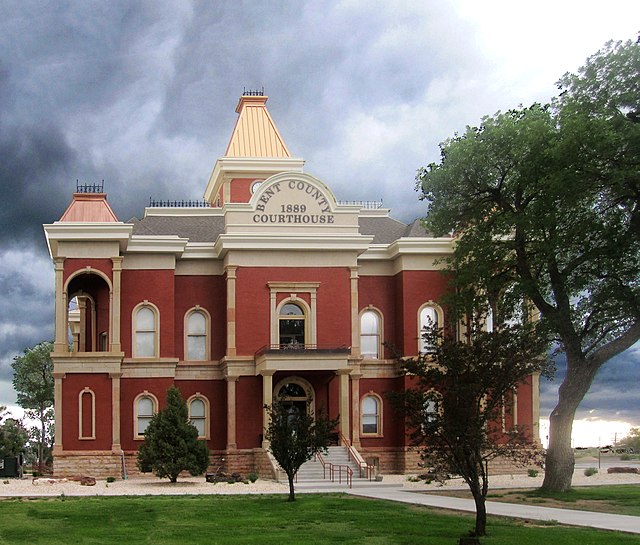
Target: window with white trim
428,318
370,323
291,326
145,344
197,335
199,415
146,406
371,415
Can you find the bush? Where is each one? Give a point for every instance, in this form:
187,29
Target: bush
590,471
253,477
532,473
625,457
111,479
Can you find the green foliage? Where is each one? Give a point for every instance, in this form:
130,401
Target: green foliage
460,393
545,205
33,382
588,472
296,436
171,442
532,472
111,479
632,440
253,477
13,436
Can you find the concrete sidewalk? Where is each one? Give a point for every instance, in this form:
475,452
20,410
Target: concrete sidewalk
605,521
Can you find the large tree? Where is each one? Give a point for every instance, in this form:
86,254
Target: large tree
13,435
295,436
545,204
459,407
33,382
171,443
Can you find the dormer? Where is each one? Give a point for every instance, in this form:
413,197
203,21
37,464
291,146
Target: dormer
255,152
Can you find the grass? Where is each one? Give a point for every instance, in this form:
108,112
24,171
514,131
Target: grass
264,520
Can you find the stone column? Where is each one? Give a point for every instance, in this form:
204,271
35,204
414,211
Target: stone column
267,399
355,315
344,405
231,310
231,413
82,338
355,411
60,344
115,344
535,407
57,409
115,412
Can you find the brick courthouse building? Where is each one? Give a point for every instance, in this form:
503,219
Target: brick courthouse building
273,288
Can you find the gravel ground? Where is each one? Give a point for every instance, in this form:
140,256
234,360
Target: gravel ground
196,485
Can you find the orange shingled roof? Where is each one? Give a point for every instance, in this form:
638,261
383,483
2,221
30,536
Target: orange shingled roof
255,133
89,207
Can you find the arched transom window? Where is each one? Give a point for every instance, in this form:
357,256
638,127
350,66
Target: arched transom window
199,415
371,415
197,328
291,326
370,334
428,318
145,319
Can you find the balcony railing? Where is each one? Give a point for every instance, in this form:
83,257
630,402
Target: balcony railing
302,348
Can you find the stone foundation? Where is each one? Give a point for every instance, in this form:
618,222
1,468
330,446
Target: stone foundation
103,464
98,464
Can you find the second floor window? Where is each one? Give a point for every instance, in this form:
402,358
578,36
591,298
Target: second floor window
146,332
291,324
370,335
196,336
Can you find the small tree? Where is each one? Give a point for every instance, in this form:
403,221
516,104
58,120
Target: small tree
33,382
296,436
632,440
171,442
13,436
456,408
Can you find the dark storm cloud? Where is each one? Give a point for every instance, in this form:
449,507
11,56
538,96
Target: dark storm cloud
613,394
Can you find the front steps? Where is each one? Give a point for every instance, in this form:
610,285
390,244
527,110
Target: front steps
312,475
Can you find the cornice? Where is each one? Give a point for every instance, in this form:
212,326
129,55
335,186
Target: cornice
302,242
171,244
86,232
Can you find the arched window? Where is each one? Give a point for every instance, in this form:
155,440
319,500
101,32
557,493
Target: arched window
87,414
199,415
291,326
429,317
197,335
145,324
370,334
371,415
296,393
145,406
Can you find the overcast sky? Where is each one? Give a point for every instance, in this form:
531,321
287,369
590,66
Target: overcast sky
142,95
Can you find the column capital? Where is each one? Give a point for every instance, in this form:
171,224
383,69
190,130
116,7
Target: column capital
231,271
231,378
117,262
267,372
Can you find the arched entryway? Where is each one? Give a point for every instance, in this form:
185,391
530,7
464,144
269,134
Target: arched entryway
297,393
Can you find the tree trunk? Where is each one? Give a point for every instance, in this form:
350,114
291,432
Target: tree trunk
292,494
560,460
481,514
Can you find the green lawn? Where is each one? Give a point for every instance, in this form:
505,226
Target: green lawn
227,520
622,499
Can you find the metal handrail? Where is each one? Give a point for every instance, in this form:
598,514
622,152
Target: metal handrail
366,470
348,474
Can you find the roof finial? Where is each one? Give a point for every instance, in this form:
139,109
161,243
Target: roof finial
251,93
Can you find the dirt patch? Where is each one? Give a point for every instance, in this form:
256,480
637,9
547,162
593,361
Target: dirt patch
521,496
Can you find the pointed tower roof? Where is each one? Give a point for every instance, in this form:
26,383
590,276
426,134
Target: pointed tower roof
256,150
255,133
89,207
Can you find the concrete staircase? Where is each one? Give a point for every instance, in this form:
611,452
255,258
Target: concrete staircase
312,475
